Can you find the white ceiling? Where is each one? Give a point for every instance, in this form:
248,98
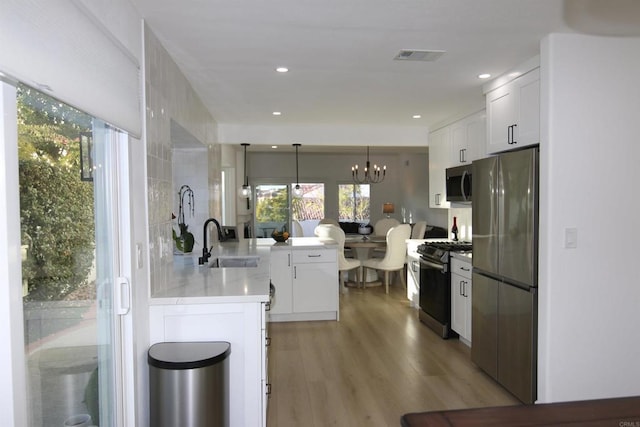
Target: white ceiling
340,55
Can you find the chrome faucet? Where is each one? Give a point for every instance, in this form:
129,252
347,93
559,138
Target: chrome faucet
206,253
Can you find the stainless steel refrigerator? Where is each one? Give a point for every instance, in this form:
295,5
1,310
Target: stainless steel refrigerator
505,269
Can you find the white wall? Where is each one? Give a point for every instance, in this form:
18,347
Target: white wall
589,300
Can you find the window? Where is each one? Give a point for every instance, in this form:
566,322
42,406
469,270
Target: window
277,207
354,202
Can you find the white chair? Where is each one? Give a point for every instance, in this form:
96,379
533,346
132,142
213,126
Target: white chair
322,230
380,229
336,233
329,221
418,230
383,225
394,257
297,228
344,264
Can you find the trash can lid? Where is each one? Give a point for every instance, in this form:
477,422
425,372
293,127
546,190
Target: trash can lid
187,355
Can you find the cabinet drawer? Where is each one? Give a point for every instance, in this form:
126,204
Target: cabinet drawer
305,256
460,267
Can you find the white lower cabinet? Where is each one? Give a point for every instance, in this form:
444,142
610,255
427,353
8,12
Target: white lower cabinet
243,325
461,290
306,284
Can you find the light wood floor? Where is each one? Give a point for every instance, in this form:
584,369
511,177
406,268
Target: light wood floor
377,363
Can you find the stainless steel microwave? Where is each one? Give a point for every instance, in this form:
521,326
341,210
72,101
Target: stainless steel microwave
458,185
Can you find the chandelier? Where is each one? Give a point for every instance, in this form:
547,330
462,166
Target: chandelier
371,175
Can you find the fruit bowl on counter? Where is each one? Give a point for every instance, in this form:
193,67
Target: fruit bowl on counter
280,236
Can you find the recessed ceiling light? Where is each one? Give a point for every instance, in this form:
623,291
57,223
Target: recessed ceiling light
274,146
276,113
484,76
417,116
282,69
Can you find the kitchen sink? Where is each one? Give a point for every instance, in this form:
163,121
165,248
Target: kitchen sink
233,261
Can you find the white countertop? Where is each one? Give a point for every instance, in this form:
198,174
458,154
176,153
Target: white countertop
200,284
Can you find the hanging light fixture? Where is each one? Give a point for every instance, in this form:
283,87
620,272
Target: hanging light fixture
371,175
297,190
245,190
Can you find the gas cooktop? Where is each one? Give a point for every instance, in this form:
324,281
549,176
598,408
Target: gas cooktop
439,250
449,245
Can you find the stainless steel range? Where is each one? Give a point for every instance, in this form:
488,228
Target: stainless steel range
435,284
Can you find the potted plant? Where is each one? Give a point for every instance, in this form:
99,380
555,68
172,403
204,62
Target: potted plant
185,240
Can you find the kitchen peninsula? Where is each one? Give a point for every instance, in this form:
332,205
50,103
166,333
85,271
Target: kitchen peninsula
216,303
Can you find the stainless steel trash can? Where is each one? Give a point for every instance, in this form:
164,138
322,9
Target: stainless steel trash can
189,384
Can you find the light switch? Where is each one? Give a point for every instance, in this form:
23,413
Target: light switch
571,238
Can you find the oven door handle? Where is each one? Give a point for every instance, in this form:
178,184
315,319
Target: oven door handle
433,265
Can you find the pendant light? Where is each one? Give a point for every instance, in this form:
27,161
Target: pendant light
371,176
297,190
245,190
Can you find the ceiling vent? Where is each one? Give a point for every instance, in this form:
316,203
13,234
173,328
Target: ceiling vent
418,55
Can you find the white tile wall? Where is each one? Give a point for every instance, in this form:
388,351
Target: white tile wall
169,96
463,216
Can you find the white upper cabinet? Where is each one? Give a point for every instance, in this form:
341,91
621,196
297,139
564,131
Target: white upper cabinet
468,139
513,113
458,143
439,159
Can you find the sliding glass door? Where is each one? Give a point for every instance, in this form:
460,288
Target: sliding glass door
69,209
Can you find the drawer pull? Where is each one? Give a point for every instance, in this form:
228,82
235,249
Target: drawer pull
314,256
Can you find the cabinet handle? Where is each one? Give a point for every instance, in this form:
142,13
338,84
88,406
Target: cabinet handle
511,135
267,306
295,272
461,155
314,256
288,260
268,389
414,266
267,342
437,199
465,269
460,288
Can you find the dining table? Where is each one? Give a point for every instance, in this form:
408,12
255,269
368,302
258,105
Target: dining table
363,246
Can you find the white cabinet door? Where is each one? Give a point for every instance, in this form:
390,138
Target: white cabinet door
458,321
281,278
468,139
315,287
439,159
513,114
461,288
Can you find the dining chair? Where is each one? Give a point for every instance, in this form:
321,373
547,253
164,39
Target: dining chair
344,264
380,229
419,229
394,257
383,225
329,221
297,228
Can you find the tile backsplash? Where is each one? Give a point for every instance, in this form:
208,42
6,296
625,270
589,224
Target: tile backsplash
169,97
463,219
